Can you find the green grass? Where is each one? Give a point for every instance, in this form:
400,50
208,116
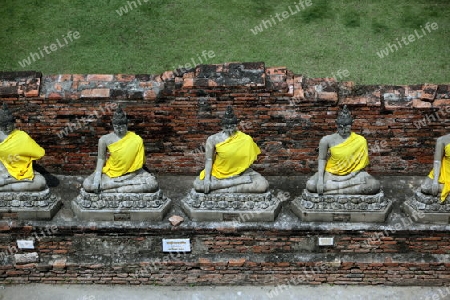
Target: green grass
159,35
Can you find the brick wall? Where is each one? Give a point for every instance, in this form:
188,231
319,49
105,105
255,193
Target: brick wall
119,255
175,112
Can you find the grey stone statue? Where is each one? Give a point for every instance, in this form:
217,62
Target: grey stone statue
23,191
437,183
17,153
343,172
228,157
123,171
341,191
429,205
228,189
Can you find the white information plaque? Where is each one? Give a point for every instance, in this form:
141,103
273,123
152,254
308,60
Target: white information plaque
326,241
25,244
176,245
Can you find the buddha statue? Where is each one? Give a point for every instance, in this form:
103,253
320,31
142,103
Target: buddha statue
17,153
437,183
343,172
122,171
228,157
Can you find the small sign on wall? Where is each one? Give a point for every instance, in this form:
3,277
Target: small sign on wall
176,245
326,241
25,244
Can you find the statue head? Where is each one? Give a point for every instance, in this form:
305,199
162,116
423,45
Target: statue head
229,121
344,117
120,122
7,120
344,122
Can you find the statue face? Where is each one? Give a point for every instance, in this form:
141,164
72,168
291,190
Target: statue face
344,130
229,129
120,130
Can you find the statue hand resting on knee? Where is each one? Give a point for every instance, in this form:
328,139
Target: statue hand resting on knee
228,157
123,171
343,172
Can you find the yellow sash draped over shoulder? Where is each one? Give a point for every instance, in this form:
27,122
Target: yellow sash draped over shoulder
17,153
349,156
444,175
233,156
126,155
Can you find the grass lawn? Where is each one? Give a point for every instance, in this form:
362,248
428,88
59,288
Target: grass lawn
157,35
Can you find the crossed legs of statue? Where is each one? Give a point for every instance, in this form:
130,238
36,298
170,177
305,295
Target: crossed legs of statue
137,182
249,181
360,184
10,184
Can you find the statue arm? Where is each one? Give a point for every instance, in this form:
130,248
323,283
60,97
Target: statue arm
209,156
323,150
101,158
438,154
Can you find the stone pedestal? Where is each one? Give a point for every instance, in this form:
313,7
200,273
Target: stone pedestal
427,209
30,205
238,207
311,207
121,206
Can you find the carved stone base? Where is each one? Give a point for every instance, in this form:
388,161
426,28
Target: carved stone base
311,207
238,207
30,205
121,206
427,209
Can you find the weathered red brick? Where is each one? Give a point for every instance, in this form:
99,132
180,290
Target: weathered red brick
95,93
442,102
236,262
60,264
354,101
429,92
4,226
100,77
421,104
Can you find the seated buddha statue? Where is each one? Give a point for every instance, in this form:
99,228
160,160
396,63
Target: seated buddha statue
17,153
343,172
437,182
122,171
228,157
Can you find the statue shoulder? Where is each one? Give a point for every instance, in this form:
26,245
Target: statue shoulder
328,138
445,139
215,138
107,139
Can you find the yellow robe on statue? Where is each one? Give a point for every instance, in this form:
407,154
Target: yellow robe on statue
444,175
126,155
349,156
17,153
233,156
